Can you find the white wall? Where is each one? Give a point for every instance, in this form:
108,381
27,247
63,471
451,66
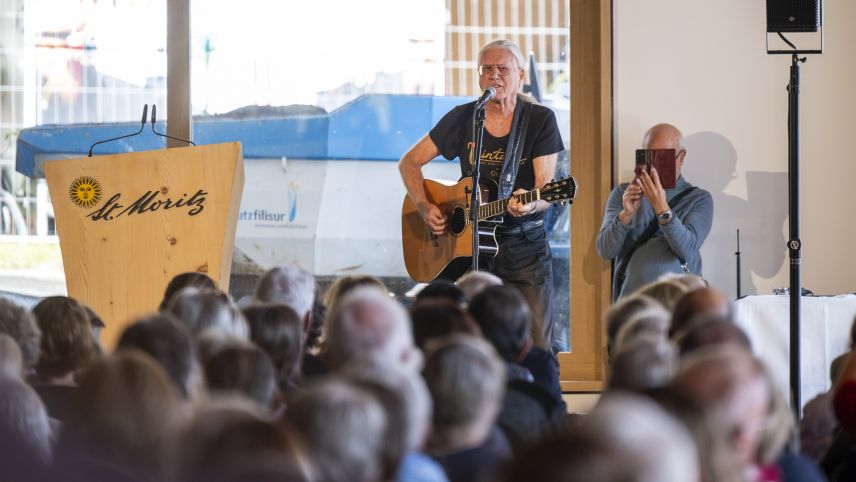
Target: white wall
703,67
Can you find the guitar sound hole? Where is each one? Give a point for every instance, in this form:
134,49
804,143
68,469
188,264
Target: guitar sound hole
457,221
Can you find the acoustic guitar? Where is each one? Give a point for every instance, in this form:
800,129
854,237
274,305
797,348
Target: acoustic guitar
428,256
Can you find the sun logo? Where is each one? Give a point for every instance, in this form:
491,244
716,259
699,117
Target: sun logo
85,192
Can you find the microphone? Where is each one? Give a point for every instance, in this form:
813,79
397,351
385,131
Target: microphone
486,96
154,119
142,125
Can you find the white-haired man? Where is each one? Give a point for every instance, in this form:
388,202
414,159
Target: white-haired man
520,147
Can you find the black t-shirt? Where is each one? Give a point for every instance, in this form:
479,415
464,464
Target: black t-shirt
453,136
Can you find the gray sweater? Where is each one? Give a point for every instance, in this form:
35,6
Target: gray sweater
681,237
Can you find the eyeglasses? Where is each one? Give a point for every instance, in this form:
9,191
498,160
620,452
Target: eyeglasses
489,69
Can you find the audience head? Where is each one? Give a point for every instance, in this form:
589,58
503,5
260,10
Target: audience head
278,330
466,379
708,330
704,301
200,281
368,326
444,289
652,322
315,328
667,292
67,344
17,322
288,285
475,282
728,382
621,312
23,423
643,363
11,359
240,367
345,284
229,439
436,318
201,311
504,318
342,428
124,413
166,340
96,323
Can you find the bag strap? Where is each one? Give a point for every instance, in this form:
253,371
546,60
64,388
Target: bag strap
621,269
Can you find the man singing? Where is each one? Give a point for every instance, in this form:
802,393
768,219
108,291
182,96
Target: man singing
520,147
649,230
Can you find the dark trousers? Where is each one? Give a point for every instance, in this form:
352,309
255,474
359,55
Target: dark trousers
524,261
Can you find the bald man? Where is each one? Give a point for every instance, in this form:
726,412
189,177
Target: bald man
680,227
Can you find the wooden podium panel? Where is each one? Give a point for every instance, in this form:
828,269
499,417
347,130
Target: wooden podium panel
128,223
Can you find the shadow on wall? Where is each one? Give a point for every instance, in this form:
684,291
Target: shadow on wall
712,164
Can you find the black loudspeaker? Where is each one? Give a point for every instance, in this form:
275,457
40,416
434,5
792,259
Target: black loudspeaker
793,15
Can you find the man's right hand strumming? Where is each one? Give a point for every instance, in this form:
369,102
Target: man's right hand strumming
630,201
433,217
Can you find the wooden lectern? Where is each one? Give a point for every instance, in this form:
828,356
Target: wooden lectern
128,223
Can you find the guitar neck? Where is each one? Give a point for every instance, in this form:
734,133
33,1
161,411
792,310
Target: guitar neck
496,208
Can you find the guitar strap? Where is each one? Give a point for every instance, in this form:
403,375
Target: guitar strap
514,150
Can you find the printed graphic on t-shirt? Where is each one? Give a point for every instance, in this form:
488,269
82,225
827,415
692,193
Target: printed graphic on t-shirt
491,160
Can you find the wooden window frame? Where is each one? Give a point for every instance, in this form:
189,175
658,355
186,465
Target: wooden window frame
583,369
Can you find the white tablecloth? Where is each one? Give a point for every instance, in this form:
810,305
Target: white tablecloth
825,331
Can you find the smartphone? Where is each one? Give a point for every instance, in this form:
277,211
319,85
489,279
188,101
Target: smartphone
664,160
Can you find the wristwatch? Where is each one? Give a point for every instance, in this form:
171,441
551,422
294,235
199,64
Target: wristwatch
664,217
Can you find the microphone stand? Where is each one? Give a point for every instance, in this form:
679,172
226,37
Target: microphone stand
478,136
739,295
142,126
794,242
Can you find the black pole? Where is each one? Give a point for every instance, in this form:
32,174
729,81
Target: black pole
794,243
478,136
737,254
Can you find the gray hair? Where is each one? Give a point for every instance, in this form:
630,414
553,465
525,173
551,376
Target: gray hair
643,363
201,311
667,292
368,326
475,282
647,441
342,428
505,45
652,322
289,285
11,359
466,379
17,322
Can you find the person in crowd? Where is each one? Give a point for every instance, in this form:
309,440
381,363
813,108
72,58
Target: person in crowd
168,342
67,346
728,382
677,226
203,310
520,148
368,326
708,330
200,281
504,318
475,282
627,438
18,323
703,301
649,323
238,366
296,288
230,439
97,324
11,359
345,284
466,379
621,312
342,428
438,317
411,407
24,428
124,416
643,363
278,330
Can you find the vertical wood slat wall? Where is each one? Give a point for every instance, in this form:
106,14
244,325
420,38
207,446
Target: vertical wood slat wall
539,26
